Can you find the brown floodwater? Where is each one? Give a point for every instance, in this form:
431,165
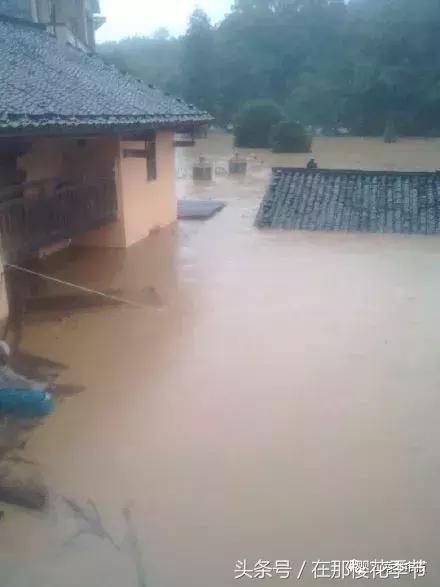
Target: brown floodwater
270,395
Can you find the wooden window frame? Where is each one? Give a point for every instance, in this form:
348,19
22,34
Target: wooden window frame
151,154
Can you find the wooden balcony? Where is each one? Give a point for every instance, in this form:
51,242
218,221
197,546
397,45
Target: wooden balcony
40,214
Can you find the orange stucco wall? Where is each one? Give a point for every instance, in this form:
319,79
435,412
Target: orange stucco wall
143,205
44,161
147,205
70,159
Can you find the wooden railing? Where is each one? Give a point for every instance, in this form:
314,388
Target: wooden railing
28,222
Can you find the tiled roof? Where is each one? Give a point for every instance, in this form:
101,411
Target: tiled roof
45,85
360,201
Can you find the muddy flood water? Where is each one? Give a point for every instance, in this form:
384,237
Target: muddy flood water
267,395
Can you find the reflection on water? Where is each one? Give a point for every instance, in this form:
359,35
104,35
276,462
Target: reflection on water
276,396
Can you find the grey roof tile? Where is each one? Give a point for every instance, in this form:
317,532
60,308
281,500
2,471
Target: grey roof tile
47,85
358,201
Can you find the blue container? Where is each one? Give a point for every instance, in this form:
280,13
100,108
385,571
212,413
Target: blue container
26,403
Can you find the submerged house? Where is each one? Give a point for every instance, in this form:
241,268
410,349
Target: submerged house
86,152
352,200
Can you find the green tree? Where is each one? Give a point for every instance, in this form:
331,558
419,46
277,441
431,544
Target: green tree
154,59
254,123
317,101
289,137
198,57
358,64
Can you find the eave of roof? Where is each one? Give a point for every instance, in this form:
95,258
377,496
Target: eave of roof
106,124
48,87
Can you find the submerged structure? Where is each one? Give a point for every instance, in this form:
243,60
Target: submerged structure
355,201
86,151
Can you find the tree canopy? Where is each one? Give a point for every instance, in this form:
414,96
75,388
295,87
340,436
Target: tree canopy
362,64
254,123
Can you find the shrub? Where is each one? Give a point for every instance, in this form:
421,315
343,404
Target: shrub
254,122
290,137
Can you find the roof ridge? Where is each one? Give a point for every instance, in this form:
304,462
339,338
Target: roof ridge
367,172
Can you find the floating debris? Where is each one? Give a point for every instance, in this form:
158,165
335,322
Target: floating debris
35,367
26,403
23,398
90,520
25,493
134,545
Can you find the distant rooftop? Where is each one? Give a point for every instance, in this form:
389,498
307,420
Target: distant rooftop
355,201
48,86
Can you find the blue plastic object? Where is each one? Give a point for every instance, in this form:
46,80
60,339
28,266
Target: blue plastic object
26,403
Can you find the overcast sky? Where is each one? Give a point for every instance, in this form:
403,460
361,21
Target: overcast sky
126,18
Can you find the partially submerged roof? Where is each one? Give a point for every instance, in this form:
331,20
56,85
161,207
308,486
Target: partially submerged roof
360,201
48,86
